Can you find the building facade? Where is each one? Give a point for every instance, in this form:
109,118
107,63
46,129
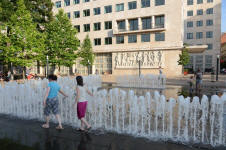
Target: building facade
223,47
202,26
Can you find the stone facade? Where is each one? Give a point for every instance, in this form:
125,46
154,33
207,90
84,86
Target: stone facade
223,47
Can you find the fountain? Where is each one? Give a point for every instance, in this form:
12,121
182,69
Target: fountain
185,120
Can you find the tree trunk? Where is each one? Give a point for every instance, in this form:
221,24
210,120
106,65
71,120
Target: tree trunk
24,71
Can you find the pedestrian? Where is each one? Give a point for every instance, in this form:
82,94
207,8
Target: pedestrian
191,85
51,101
198,76
81,102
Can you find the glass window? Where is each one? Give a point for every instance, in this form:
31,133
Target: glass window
120,39
108,40
145,3
96,11
86,13
97,26
76,14
209,1
200,12
76,1
132,5
86,27
189,2
85,1
190,24
209,22
199,35
146,23
159,2
108,25
159,36
208,61
189,35
209,11
69,15
132,38
121,25
199,23
159,21
77,27
199,1
133,24
66,2
145,37
97,41
58,4
210,46
190,13
119,7
198,62
107,9
209,34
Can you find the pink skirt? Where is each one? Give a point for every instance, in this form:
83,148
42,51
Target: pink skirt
81,109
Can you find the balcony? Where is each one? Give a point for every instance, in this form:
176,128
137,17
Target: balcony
156,28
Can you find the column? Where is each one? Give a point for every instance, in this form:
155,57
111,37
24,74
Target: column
153,22
139,24
127,25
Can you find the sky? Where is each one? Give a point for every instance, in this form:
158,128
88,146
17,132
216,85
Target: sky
223,16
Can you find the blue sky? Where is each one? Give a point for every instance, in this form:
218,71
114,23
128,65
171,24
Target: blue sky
223,16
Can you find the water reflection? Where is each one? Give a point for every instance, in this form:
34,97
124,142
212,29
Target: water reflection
51,143
84,140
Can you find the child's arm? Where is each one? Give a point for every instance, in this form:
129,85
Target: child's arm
61,92
91,94
46,95
77,95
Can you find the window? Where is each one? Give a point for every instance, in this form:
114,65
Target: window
159,36
69,15
121,25
108,40
190,24
97,26
145,3
146,23
66,2
96,11
159,21
208,61
97,41
199,23
210,46
209,11
145,37
77,27
120,39
132,5
108,25
209,34
200,12
76,1
209,1
199,35
86,27
189,2
76,14
86,13
209,22
199,62
190,13
58,4
107,9
133,24
189,35
199,1
132,38
85,1
119,7
159,2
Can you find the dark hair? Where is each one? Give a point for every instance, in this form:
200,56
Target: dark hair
79,80
52,77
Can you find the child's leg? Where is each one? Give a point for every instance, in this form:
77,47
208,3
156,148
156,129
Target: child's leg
85,122
82,125
46,125
59,120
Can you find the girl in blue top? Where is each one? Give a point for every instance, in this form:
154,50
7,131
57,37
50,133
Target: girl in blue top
51,102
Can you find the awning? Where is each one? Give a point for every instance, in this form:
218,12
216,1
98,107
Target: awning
197,48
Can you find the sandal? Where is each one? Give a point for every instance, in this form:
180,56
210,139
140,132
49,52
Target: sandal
45,126
59,128
81,130
89,128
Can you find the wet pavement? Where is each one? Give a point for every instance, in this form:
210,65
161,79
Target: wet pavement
19,134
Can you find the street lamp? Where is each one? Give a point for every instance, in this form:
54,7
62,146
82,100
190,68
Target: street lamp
139,63
88,66
47,65
217,70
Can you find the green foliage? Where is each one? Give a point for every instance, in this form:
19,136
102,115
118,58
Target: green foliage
86,53
184,57
61,43
21,43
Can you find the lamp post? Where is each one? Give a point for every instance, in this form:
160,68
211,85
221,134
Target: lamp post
139,62
47,65
88,66
217,70
2,68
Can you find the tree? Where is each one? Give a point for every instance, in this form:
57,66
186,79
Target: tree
184,57
61,43
86,54
22,44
